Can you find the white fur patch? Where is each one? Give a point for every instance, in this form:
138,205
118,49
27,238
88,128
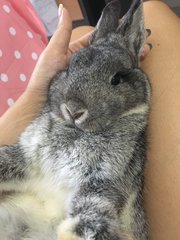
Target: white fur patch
65,230
126,217
143,108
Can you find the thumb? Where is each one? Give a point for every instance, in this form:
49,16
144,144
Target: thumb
61,38
54,56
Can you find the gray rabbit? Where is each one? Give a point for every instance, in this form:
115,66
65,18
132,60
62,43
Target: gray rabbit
76,172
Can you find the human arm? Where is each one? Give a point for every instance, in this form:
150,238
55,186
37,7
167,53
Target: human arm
54,58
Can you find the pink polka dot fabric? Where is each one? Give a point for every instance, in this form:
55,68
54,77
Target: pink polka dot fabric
23,38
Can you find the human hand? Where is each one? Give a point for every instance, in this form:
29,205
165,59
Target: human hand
56,55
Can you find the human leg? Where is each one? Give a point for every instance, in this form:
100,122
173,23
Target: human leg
162,193
80,31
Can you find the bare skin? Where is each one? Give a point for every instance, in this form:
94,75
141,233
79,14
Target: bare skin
162,195
162,174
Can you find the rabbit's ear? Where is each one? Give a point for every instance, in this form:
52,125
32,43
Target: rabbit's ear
108,21
131,26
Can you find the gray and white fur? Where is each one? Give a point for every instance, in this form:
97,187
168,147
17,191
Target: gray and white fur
76,172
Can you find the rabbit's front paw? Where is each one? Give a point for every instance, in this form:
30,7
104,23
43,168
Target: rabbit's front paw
66,230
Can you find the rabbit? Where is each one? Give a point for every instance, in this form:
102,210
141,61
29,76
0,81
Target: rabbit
76,172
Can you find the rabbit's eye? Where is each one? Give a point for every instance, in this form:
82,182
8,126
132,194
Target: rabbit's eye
116,79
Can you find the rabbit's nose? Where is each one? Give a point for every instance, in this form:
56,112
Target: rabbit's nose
74,115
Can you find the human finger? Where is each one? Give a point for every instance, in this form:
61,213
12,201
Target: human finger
54,56
61,38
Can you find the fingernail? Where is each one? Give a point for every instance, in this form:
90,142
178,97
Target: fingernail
148,32
60,12
150,45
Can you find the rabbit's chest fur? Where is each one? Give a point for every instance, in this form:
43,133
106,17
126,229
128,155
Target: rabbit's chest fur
68,156
67,160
